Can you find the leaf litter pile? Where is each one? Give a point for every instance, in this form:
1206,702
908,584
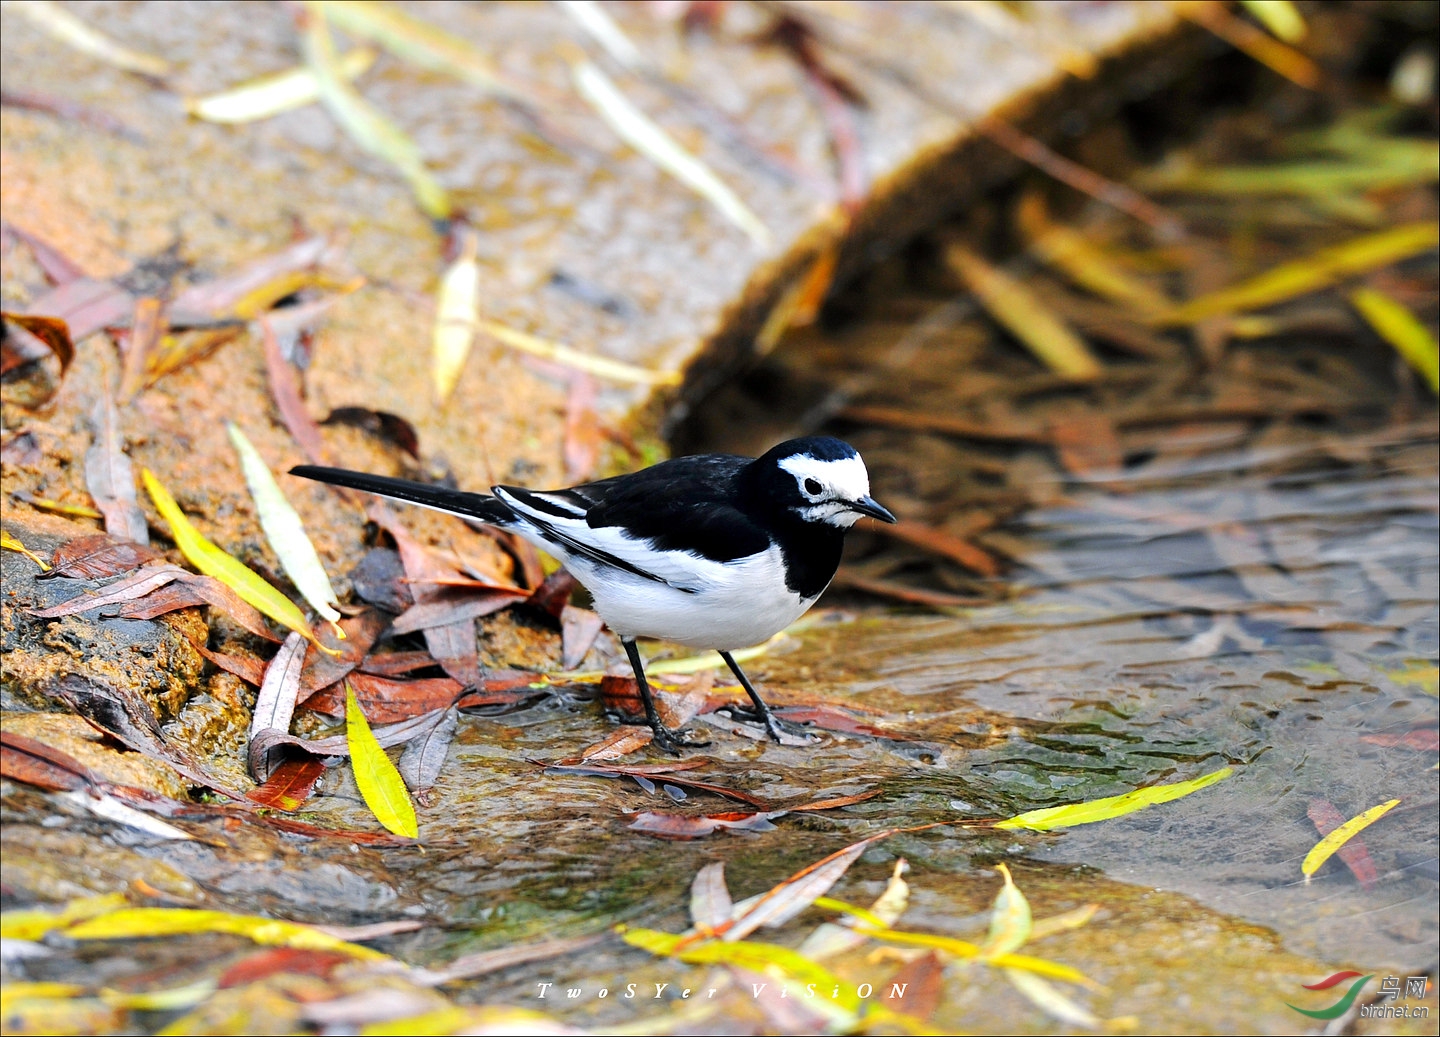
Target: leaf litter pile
1141,354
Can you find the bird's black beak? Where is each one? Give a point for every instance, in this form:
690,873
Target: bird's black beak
870,506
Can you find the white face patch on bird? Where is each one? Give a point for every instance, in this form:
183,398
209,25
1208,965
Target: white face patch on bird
831,487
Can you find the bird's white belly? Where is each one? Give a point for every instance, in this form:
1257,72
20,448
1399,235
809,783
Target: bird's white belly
734,605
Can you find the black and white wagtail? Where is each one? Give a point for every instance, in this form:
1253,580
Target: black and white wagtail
711,551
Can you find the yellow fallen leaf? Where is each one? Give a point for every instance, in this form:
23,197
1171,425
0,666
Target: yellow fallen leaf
638,130
1325,848
1079,259
380,783
1025,316
1311,274
601,367
1111,806
1051,1001
31,925
270,95
1281,17
457,311
966,949
1403,330
11,543
1010,920
142,922
226,568
70,30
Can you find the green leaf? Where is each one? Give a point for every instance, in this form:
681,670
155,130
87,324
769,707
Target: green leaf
1403,330
1325,848
232,572
284,529
141,922
380,783
1111,806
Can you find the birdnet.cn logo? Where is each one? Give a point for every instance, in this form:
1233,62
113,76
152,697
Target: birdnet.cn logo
1383,1007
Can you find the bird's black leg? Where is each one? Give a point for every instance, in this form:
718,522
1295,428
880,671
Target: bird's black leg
670,741
773,724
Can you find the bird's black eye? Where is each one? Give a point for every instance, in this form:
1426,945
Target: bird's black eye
813,487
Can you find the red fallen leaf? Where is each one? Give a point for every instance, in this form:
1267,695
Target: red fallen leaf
53,332
248,668
98,556
286,961
56,265
517,696
583,432
322,669
618,743
621,695
85,305
448,606
451,644
922,980
553,594
387,701
285,391
902,592
1326,818
147,327
829,718
1423,739
394,664
1087,445
177,595
937,541
388,427
35,763
665,825
289,784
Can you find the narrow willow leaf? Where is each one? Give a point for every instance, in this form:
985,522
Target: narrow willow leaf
1325,848
229,570
710,903
1025,316
1303,276
965,949
1010,920
284,529
109,476
1083,262
595,20
10,543
795,894
1281,17
32,925
366,125
601,367
275,703
70,30
380,783
172,1000
418,42
457,311
1403,330
270,95
103,805
1051,1001
1111,806
142,922
644,135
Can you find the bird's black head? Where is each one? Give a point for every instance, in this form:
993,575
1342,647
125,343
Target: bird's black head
817,479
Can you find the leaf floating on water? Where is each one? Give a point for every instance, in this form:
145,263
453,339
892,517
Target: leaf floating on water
644,135
1025,315
70,30
284,530
366,125
229,570
1304,276
145,922
1111,806
1403,330
1051,1001
796,893
270,95
456,313
10,543
1326,847
380,783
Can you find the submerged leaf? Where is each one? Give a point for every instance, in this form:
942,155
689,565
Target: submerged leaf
644,135
1051,1001
1326,847
229,570
1010,919
289,784
270,95
1111,806
423,756
1311,274
148,922
1403,330
1025,316
380,783
284,530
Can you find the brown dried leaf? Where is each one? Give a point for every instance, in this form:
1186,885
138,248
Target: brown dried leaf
1423,739
35,763
110,478
226,600
710,903
618,743
289,784
220,297
452,606
323,669
387,701
86,305
583,431
285,390
796,893
248,668
666,825
396,664
98,556
136,585
147,326
390,428
1088,445
173,596
51,331
578,630
424,756
553,594
57,266
938,541
275,705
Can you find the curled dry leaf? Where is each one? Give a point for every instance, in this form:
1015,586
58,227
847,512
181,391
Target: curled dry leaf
275,704
391,428
53,332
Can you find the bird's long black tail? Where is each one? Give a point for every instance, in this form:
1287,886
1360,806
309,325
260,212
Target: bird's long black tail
479,506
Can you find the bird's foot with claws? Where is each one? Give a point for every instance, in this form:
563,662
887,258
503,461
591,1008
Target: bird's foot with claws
782,732
673,741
